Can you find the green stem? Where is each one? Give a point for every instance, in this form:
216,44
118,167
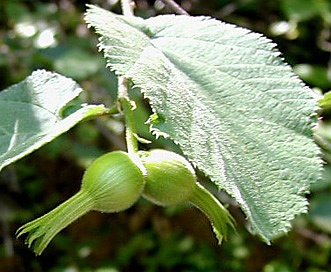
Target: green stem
43,229
127,106
123,96
127,7
213,209
113,110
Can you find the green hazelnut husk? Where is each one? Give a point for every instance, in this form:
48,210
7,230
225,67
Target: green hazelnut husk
171,180
115,181
112,183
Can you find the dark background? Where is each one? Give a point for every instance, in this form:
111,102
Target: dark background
52,35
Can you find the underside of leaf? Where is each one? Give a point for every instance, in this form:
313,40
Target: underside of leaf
226,97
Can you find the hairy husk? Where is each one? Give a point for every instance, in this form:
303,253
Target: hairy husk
112,183
171,180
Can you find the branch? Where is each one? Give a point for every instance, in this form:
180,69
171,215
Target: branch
127,7
319,239
175,7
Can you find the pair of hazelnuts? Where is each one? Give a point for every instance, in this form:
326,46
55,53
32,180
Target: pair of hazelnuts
116,180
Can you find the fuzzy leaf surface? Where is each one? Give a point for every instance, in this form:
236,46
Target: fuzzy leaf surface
32,113
226,97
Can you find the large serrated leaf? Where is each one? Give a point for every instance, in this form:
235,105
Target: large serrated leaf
31,113
224,94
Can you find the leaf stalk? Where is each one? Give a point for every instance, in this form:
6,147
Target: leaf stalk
127,106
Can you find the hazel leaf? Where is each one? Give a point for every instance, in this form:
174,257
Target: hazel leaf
224,94
34,112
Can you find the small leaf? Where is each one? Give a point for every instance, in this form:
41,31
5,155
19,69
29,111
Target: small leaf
227,98
325,102
31,113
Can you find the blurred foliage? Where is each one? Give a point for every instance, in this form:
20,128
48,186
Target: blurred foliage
52,35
